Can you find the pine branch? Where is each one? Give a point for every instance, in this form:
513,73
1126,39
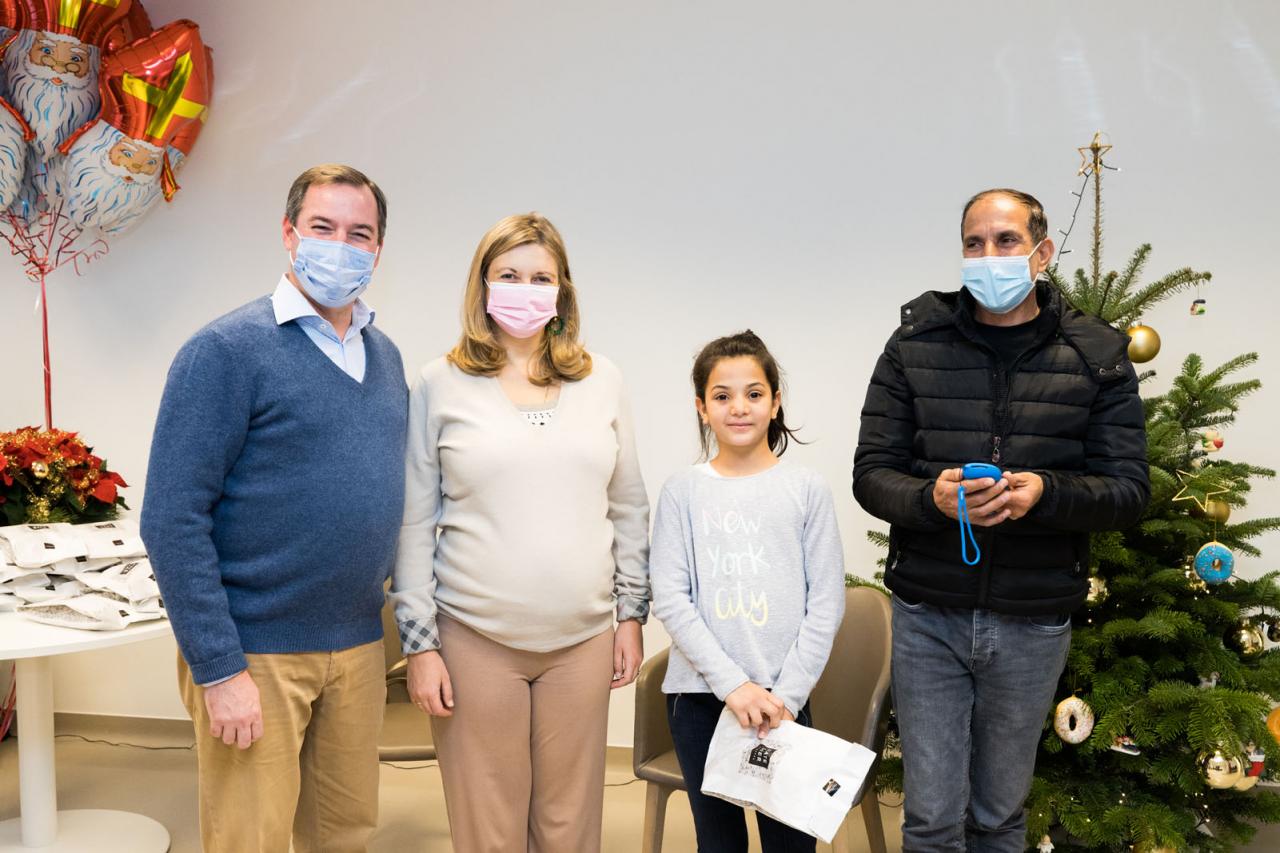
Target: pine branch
1153,294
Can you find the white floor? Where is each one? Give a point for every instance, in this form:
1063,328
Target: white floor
162,785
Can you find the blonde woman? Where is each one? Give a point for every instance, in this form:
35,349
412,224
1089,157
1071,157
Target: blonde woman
525,531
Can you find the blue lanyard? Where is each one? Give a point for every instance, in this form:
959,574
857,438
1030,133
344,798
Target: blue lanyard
966,532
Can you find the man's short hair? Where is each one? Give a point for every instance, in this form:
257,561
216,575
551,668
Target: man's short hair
1036,222
334,173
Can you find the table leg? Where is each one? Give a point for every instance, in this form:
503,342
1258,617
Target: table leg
37,783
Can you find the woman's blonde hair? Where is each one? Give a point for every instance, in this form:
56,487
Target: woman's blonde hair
560,356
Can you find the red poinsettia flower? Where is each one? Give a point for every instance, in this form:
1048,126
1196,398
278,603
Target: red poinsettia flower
105,491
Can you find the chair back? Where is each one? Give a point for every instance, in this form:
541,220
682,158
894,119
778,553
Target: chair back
652,734
851,698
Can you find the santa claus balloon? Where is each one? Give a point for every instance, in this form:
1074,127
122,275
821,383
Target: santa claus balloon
155,96
96,110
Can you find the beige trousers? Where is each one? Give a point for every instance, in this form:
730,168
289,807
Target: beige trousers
314,773
522,757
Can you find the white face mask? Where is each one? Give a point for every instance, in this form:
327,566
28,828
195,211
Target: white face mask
332,272
999,283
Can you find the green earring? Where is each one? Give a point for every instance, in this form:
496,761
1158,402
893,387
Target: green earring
556,326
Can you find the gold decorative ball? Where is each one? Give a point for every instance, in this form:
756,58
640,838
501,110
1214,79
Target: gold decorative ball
1221,770
1214,510
1097,590
1144,343
1246,783
1246,639
39,470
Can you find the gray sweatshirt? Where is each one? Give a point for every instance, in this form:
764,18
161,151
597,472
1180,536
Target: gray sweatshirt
748,579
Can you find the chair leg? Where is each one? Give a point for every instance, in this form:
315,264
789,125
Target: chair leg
871,819
655,816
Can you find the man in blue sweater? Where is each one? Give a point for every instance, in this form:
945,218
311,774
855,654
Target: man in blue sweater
273,502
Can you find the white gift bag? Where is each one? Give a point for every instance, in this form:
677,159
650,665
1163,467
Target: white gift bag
796,775
76,565
119,538
41,587
131,579
31,546
93,611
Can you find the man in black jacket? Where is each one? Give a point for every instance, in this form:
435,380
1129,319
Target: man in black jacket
1002,371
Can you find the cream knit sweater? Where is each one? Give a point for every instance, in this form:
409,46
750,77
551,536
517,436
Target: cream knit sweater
526,534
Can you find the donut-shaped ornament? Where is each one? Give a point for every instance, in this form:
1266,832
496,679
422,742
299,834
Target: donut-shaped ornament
1214,562
1073,720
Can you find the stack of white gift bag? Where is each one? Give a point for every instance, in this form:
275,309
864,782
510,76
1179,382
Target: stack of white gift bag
94,576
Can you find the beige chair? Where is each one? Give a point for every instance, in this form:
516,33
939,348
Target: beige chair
851,700
406,731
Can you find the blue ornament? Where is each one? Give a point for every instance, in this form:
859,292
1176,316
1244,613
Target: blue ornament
1214,562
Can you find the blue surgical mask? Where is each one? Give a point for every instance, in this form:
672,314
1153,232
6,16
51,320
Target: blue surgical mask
332,272
998,283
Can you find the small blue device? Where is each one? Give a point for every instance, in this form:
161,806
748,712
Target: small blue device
971,471
978,470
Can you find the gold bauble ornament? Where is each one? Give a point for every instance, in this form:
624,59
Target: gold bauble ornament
1246,783
39,470
1144,343
1214,510
1097,591
1246,639
1220,770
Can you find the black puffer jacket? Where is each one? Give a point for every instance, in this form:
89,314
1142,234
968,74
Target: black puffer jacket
1067,408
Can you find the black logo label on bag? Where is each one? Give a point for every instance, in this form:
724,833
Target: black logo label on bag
831,787
761,755
48,546
117,542
761,761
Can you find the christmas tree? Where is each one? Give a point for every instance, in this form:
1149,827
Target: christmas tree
1167,657
1168,653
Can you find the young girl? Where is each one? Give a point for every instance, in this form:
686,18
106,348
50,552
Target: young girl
748,578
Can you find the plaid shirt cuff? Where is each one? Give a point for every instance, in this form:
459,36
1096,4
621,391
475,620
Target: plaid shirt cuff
633,608
419,635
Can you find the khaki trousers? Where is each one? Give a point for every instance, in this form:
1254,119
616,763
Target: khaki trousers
522,757
314,773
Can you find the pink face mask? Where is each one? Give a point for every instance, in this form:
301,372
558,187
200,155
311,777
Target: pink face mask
522,310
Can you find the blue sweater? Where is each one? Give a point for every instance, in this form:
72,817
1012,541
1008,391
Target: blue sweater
274,493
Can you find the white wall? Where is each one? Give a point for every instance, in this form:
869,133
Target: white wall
793,167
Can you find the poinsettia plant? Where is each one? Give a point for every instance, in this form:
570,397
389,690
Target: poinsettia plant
52,475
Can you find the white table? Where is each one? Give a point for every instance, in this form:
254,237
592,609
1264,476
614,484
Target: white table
41,825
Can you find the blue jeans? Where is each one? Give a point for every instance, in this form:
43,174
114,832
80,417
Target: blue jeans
972,690
721,826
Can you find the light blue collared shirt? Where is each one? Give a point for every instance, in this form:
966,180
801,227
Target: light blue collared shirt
348,353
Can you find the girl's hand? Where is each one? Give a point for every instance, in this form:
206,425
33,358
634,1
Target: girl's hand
755,707
429,685
628,653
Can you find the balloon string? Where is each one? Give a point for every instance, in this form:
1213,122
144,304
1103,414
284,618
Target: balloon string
48,374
